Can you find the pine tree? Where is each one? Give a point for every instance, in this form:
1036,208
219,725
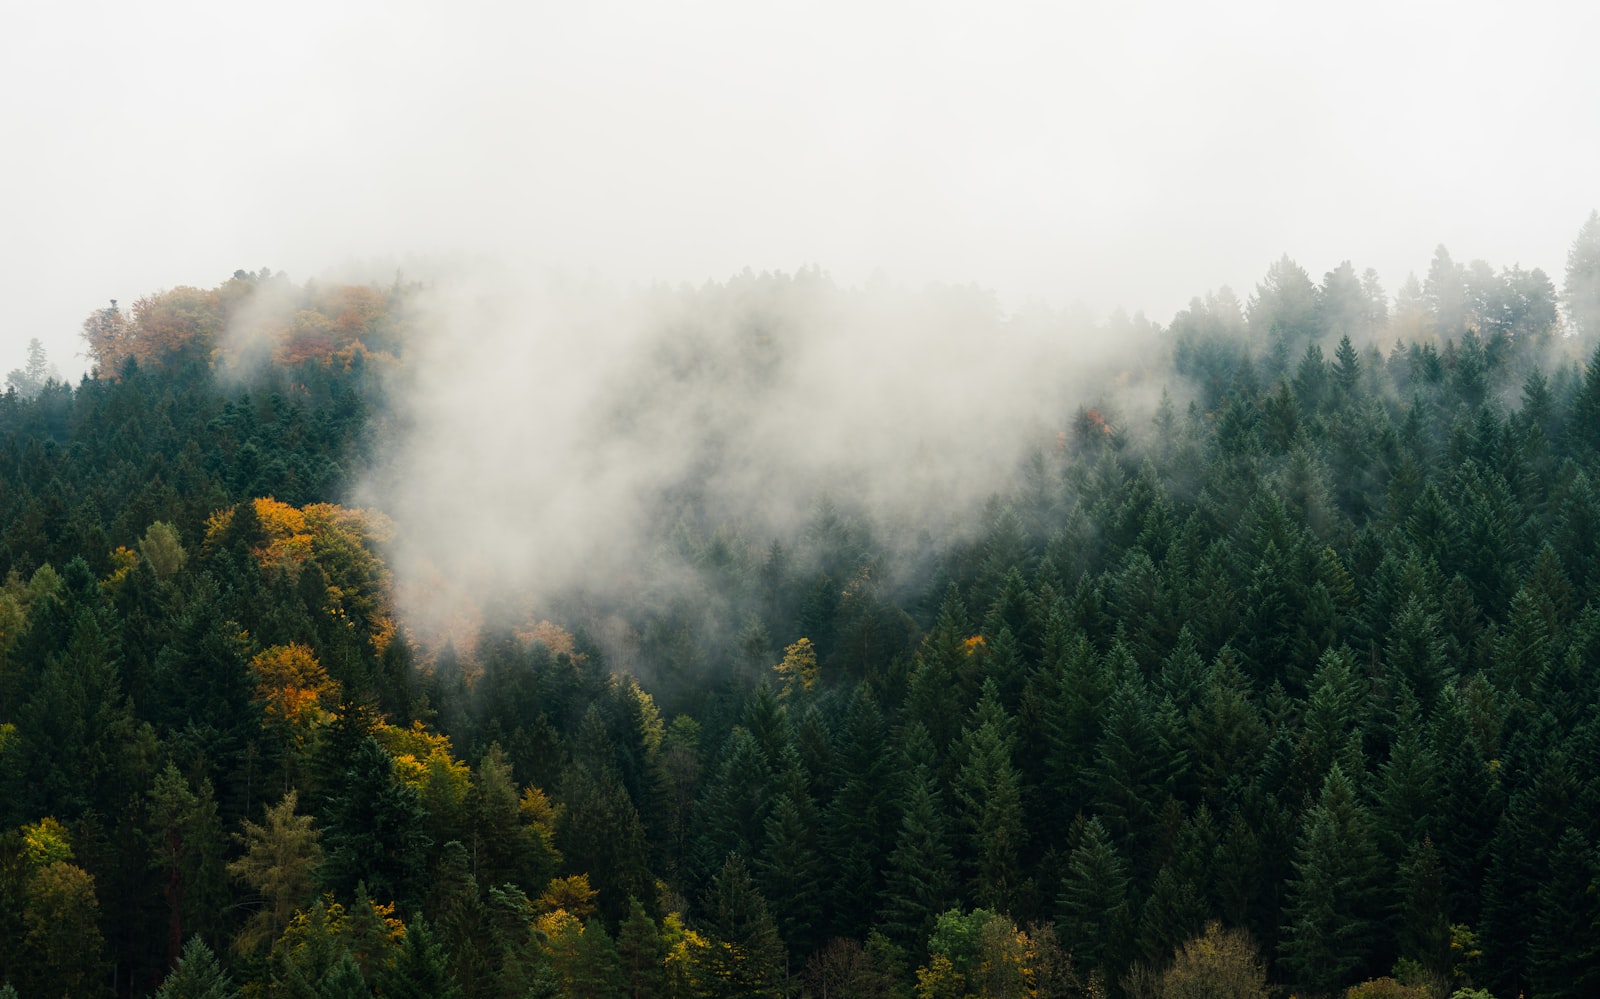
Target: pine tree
460,922
1580,292
1174,912
280,861
375,830
790,869
1421,920
1564,956
419,970
1071,697
344,981
641,955
186,845
860,821
745,956
1135,764
598,974
988,790
944,678
732,812
1226,734
1522,858
1415,651
1334,898
197,975
1407,805
1095,911
920,882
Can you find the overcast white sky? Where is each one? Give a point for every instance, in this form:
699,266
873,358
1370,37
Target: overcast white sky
1113,153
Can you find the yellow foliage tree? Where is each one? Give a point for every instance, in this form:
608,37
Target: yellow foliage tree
342,542
63,946
292,686
279,861
45,842
123,561
570,894
684,949
799,666
297,698
418,752
939,979
183,322
1219,962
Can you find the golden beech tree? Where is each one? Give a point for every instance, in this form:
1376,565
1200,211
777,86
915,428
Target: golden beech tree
296,695
422,758
568,895
108,336
342,542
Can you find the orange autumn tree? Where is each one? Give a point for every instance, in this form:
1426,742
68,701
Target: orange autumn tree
292,687
181,323
251,317
297,698
342,543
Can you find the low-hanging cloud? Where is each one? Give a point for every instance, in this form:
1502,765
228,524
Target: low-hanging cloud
551,432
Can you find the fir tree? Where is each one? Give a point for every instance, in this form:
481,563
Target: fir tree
1334,899
197,975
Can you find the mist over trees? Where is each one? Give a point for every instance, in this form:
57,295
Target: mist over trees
29,380
744,653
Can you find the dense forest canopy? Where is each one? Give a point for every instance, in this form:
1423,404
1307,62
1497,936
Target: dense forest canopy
1249,654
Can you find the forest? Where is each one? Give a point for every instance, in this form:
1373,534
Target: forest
1269,669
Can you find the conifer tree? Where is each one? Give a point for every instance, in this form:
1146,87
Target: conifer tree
375,830
732,812
790,869
641,955
745,956
861,820
1334,899
598,974
920,882
186,844
280,861
1564,956
197,975
988,790
1135,763
1420,917
1095,913
944,677
1580,292
420,970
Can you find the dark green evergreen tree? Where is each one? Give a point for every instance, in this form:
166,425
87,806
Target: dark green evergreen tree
988,793
1334,902
197,975
374,830
920,882
746,956
1095,913
420,969
640,955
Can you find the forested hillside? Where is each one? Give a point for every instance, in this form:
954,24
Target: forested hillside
1272,667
